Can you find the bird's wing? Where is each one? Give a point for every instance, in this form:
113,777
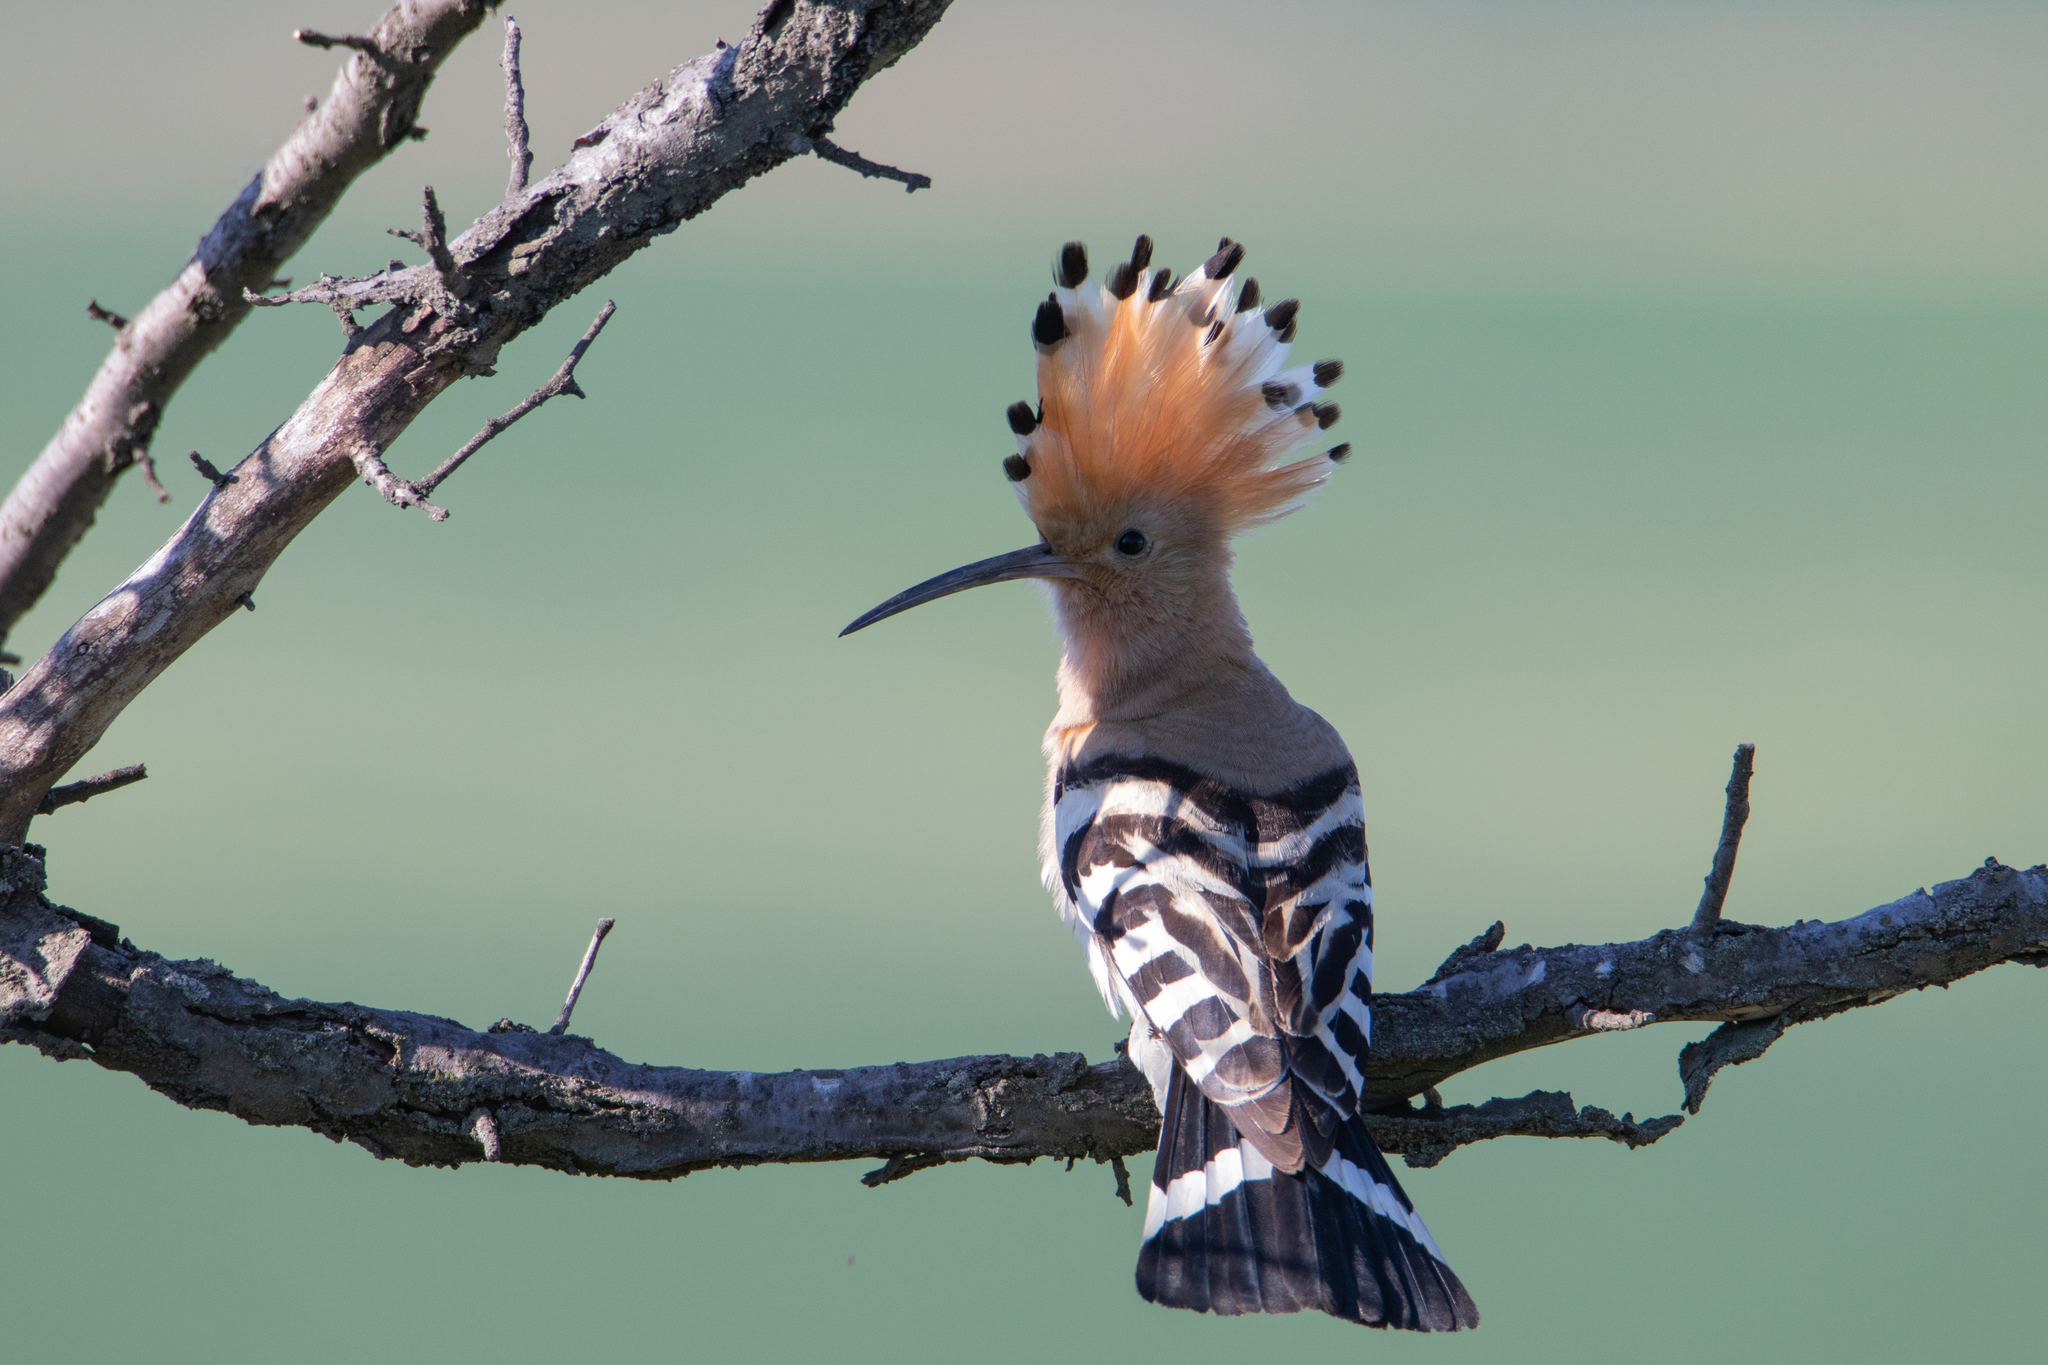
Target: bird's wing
1318,925
1236,925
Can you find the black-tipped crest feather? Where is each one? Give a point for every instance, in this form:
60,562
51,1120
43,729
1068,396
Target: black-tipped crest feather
1049,327
1225,262
1073,265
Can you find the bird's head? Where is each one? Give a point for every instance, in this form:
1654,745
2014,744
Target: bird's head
1165,412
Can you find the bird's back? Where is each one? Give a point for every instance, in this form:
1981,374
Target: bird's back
1224,898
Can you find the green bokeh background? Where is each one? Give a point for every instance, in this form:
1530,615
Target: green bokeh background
1696,362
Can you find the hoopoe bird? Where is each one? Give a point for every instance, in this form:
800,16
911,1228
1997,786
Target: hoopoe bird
1203,832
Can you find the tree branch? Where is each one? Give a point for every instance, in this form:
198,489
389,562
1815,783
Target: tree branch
561,1024
562,381
72,793
661,158
1733,818
370,110
413,1087
828,150
515,114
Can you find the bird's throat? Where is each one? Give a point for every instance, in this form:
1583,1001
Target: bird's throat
1128,660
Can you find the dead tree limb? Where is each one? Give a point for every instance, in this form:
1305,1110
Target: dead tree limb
663,157
411,1086
370,110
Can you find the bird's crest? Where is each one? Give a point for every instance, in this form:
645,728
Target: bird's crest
1173,391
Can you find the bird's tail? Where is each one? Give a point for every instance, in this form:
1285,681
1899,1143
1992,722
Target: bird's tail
1227,1233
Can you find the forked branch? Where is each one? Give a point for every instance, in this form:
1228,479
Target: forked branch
663,157
562,381
369,111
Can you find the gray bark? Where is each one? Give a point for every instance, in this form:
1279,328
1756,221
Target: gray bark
663,157
372,109
431,1091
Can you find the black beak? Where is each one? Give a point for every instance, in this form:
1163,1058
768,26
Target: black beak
1035,561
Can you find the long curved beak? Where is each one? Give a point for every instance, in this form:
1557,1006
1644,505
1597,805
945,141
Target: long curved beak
1034,561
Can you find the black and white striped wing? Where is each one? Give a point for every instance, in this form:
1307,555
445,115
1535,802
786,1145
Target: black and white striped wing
1164,879
1239,927
1311,856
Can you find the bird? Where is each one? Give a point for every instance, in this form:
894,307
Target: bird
1203,833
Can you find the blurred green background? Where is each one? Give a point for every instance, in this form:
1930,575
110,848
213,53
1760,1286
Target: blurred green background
1696,377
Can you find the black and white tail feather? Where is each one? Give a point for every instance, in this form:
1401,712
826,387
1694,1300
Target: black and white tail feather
1237,930
1227,1233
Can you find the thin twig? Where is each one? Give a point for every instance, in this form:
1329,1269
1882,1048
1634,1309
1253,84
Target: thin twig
561,1025
209,473
148,463
72,793
1732,821
433,238
912,181
902,1164
396,491
1123,1179
515,113
99,314
314,38
563,381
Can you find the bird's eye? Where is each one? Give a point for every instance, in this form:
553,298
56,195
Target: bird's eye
1131,543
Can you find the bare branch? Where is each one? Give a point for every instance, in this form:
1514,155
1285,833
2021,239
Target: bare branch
912,181
561,1025
74,792
429,1091
312,38
1729,1045
395,490
433,238
149,478
1426,1136
563,381
668,154
369,111
515,114
1732,820
209,473
99,314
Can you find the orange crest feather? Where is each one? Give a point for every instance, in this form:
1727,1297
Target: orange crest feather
1163,395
